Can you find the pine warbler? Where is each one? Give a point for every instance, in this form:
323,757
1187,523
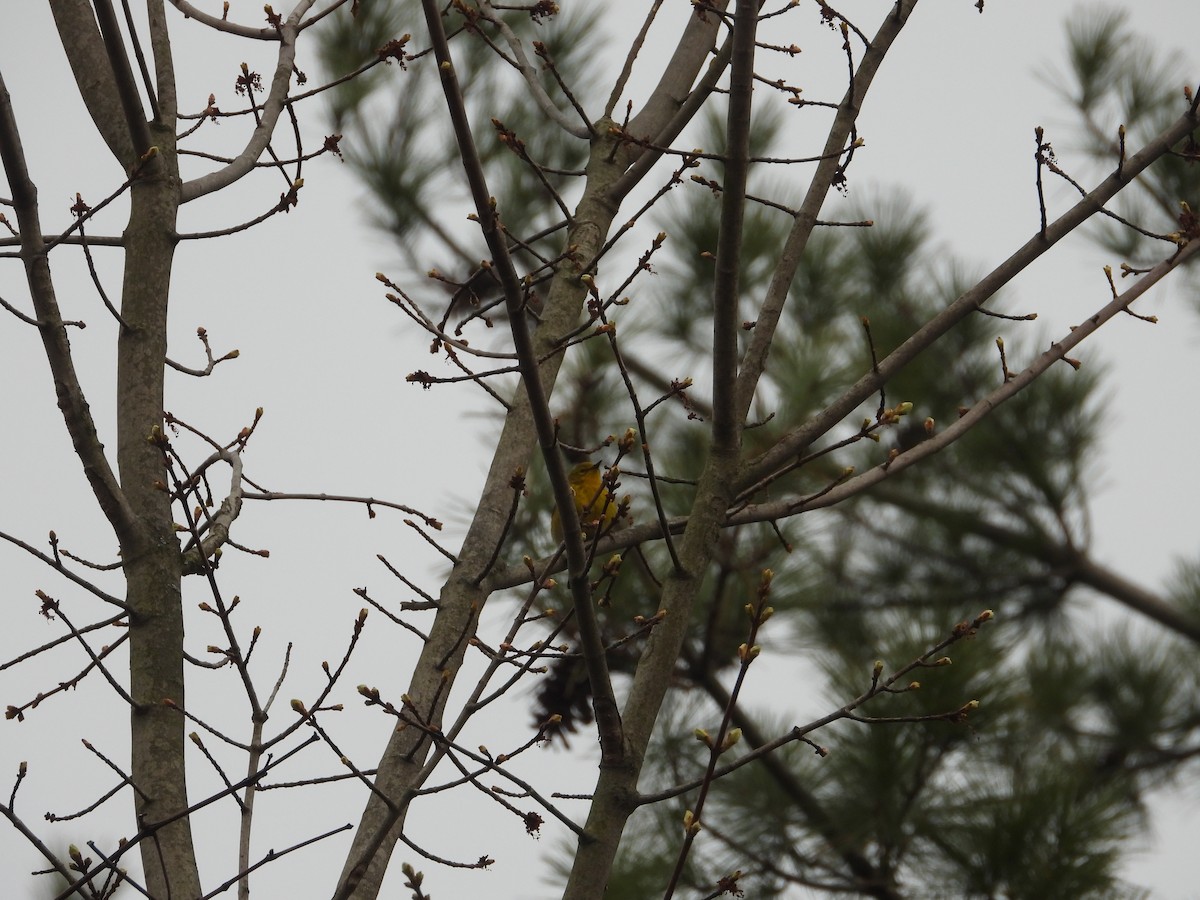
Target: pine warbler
594,503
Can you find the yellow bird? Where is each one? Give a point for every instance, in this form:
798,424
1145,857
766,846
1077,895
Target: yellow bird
594,502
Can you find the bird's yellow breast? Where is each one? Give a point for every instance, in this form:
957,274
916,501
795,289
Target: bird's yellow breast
594,503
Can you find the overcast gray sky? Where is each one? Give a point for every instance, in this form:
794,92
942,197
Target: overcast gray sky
950,120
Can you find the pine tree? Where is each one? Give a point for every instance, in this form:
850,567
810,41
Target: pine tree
1043,792
786,531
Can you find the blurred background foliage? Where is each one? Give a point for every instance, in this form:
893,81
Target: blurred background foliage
1116,75
1082,712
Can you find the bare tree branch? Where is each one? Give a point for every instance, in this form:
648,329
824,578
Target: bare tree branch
799,438
71,400
271,108
529,73
93,75
824,178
